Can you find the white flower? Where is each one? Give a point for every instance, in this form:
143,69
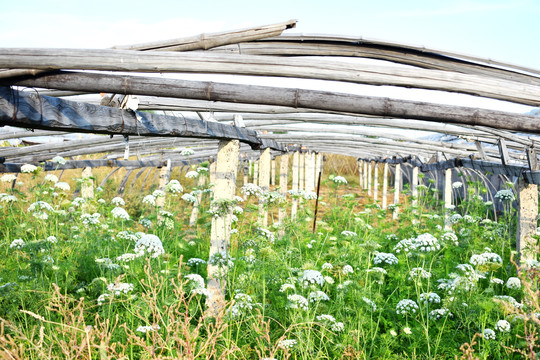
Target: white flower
310,277
58,160
419,273
64,186
370,303
8,198
40,206
287,344
440,313
496,281
510,300
78,201
118,201
28,168
502,326
120,288
149,244
127,257
196,279
347,233
250,189
174,187
17,244
430,298
406,307
505,195
158,193
450,237
513,283
489,334
485,258
88,219
327,266
407,330
120,213
318,295
150,200
298,302
195,262
147,223
347,269
187,152
192,174
52,239
385,258
189,198
51,178
339,180
149,328
286,287
8,178
457,184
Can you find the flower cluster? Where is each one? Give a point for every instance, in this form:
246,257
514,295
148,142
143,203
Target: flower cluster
422,243
347,233
502,326
298,302
120,213
17,244
440,313
406,307
419,273
485,259
118,201
505,195
149,244
371,304
120,288
250,189
174,187
331,322
430,298
385,258
339,180
312,277
149,328
316,296
513,283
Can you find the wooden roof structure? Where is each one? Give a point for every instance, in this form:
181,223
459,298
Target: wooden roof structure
212,87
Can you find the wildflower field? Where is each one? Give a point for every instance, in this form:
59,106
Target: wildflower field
114,277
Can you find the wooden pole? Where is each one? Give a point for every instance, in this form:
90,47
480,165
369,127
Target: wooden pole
414,187
365,175
273,173
87,187
256,172
195,211
376,181
294,206
317,202
283,169
397,186
310,172
370,165
447,198
385,187
301,171
264,182
527,201
164,175
246,175
360,175
225,188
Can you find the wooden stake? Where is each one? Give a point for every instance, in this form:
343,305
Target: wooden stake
447,198
164,175
385,187
195,211
370,164
365,175
301,171
414,187
273,173
264,182
294,206
256,172
225,188
283,169
527,201
397,186
317,202
360,175
376,181
87,187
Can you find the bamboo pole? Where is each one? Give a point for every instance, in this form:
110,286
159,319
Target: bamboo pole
225,188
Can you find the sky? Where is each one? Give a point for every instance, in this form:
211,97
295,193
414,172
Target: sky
503,30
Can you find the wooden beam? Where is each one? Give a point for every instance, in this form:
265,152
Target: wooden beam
27,109
125,60
212,40
527,201
297,98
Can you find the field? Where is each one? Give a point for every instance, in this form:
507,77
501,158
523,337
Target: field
119,277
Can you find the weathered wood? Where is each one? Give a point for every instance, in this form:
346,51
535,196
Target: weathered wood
295,181
375,181
397,187
126,60
87,187
124,181
225,188
505,158
365,175
195,211
532,159
30,110
301,170
256,172
414,188
309,177
360,176
385,187
264,182
104,181
447,198
283,170
527,201
298,98
208,41
369,178
273,173
164,176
